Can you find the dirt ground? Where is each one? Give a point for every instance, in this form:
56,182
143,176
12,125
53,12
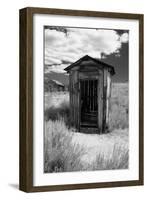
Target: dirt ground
104,143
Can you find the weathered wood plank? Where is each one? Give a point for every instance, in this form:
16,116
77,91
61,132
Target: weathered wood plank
100,103
90,80
107,91
71,99
108,95
104,98
75,103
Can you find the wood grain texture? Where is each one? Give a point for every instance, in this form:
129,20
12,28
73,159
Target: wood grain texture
71,12
26,101
100,100
141,99
108,96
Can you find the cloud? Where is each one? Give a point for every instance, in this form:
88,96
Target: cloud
124,38
62,49
55,68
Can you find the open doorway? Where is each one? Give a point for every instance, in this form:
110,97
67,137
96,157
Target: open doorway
89,103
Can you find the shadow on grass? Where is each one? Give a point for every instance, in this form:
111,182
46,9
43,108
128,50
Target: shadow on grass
56,113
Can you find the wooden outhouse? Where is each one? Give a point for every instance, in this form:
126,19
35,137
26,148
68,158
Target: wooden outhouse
90,91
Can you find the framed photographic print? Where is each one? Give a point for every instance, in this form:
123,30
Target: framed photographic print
81,99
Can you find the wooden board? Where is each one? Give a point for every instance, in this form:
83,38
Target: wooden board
108,96
103,97
100,103
88,75
74,97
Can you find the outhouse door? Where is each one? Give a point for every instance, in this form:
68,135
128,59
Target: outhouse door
89,103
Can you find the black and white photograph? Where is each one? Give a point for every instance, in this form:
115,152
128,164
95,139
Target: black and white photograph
81,99
86,99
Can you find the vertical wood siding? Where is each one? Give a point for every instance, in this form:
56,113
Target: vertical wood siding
108,98
100,101
101,104
74,98
104,99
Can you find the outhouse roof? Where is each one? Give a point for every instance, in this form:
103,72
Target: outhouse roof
84,58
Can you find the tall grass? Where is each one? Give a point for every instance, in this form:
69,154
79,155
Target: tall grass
119,110
118,117
118,159
56,113
60,154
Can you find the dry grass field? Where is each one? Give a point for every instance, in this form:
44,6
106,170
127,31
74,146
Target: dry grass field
66,150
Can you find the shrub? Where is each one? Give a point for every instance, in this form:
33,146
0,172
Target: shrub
60,154
118,117
118,159
56,113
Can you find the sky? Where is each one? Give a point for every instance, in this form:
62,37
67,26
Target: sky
64,46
